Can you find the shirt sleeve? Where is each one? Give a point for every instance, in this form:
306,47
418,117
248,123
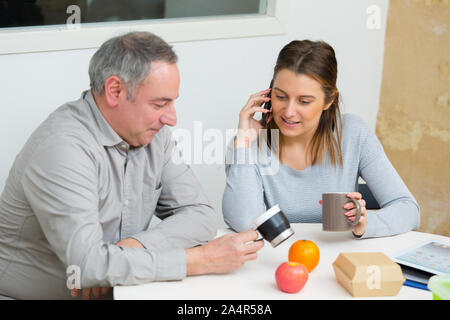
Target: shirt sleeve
243,197
399,211
188,219
61,186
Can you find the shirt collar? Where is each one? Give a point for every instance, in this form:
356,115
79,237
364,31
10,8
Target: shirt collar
108,137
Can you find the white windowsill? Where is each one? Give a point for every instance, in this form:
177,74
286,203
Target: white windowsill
60,37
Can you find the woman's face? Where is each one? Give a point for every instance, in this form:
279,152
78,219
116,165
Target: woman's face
297,103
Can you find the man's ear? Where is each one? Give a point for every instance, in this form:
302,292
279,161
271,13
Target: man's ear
113,89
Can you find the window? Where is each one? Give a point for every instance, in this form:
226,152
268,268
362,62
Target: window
21,13
46,25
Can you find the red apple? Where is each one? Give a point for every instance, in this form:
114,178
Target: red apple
291,276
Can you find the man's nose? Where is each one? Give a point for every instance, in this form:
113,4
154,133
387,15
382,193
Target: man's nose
169,117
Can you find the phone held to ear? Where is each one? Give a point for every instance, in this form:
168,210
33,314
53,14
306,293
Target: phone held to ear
267,105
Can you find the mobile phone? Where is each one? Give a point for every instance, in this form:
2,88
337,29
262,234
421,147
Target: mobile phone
267,105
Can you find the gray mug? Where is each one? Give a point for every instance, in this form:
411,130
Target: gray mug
333,212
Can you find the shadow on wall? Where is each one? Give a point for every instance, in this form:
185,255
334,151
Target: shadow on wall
413,122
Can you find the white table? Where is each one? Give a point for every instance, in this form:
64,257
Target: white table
256,279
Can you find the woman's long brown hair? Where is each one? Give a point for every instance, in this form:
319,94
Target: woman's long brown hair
317,60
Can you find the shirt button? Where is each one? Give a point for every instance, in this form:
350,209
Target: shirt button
126,202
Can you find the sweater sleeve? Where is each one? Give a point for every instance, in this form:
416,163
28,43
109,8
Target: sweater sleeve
243,198
399,211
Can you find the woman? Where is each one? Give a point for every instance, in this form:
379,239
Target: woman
318,151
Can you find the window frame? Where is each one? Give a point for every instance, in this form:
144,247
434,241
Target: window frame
92,35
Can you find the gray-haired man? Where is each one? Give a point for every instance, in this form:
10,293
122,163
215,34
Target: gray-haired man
80,196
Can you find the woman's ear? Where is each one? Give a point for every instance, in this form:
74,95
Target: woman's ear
327,106
335,96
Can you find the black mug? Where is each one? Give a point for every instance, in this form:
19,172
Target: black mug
273,226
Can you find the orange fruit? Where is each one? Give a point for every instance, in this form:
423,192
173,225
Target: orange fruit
305,252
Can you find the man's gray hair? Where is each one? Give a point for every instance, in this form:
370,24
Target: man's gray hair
128,57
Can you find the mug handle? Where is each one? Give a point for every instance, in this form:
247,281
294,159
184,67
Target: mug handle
358,211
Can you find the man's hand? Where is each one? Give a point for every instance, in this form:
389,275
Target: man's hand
97,292
224,254
86,293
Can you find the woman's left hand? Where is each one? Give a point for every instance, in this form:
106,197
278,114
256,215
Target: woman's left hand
359,228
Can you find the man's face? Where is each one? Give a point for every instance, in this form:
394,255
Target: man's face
152,107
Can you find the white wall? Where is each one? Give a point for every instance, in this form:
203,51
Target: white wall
217,77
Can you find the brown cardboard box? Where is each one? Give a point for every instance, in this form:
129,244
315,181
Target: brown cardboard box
368,274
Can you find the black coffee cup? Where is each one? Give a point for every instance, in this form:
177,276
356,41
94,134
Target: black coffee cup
273,226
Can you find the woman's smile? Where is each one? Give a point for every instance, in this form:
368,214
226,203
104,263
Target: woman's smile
289,123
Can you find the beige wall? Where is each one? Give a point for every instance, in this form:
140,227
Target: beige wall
413,121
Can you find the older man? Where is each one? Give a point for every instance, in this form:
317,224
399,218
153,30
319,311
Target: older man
80,196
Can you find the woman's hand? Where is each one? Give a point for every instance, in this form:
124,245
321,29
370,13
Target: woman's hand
359,228
248,126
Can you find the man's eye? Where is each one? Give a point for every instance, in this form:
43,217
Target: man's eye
281,97
304,102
